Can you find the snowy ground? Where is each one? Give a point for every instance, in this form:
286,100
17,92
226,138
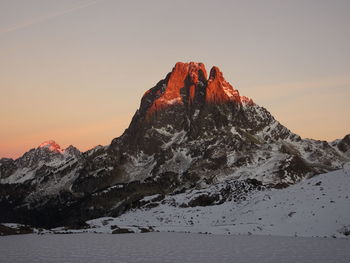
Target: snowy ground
171,247
316,207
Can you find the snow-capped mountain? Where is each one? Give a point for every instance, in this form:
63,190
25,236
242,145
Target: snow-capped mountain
191,131
45,160
202,128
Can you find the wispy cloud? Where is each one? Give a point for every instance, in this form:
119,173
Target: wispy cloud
43,18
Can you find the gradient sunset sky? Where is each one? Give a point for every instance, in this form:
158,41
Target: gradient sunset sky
75,70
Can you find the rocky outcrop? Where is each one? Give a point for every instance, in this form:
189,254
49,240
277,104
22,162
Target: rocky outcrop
219,90
344,144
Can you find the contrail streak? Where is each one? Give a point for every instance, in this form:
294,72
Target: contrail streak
45,17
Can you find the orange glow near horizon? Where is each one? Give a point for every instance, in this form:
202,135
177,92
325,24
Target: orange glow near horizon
74,71
84,138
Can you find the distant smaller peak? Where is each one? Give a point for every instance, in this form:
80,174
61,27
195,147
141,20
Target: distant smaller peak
71,147
48,143
52,146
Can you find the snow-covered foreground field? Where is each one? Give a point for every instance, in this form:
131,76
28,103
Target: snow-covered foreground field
171,247
316,207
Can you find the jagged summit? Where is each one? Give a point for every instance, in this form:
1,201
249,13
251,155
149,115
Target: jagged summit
39,163
219,90
55,148
52,146
188,84
189,101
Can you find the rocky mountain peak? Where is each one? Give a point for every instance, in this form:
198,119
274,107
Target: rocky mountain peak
188,101
73,151
188,85
344,144
52,146
182,80
219,90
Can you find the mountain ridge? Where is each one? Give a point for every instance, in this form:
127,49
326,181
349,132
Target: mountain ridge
190,132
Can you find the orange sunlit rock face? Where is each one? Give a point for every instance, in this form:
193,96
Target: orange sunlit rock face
187,78
181,73
52,146
219,90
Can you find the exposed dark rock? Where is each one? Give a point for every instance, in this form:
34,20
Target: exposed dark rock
122,231
344,144
15,230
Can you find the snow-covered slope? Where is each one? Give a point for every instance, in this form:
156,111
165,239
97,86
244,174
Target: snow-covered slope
47,158
41,173
319,206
